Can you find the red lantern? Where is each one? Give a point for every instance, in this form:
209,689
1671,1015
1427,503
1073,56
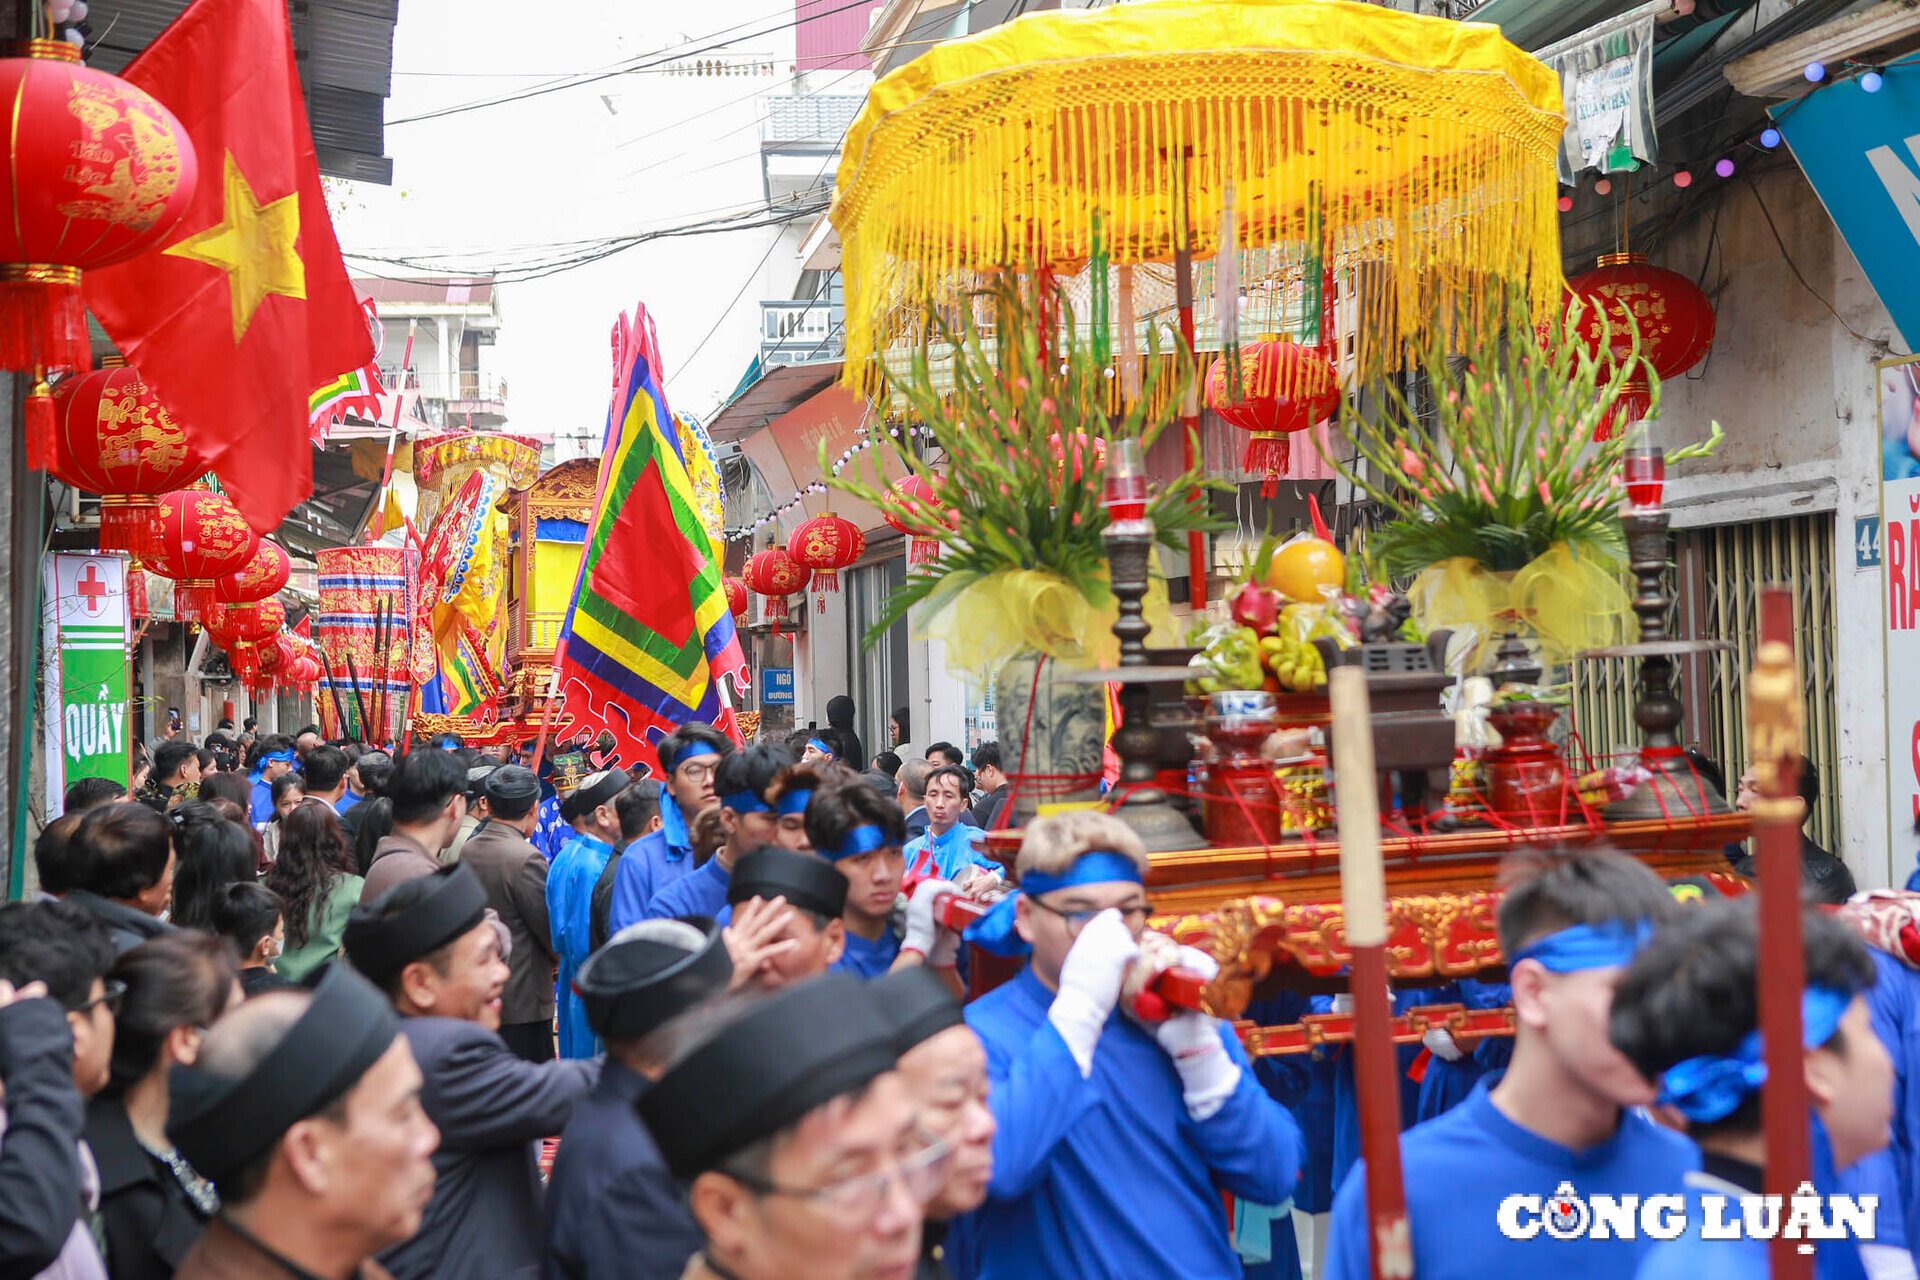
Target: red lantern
201,537
96,171
736,597
827,544
114,438
261,578
913,508
776,575
1080,450
1283,388
1672,315
276,660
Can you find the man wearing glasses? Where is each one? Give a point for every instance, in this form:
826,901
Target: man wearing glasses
688,758
816,1169
1114,1137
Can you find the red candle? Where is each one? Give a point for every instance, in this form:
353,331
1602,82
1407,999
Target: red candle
1646,477
1125,482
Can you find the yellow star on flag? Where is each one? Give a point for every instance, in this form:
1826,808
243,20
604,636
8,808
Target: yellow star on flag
254,245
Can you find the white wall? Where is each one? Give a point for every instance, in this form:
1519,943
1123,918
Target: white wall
1795,392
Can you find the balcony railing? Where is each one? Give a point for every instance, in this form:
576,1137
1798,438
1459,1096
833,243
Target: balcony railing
468,385
801,331
537,632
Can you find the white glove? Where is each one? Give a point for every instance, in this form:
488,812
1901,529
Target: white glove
1208,1076
1090,984
1343,1002
1439,1042
940,946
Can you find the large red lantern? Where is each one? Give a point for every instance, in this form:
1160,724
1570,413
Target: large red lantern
913,508
1283,388
201,537
96,171
736,596
1671,313
827,544
261,578
776,575
113,437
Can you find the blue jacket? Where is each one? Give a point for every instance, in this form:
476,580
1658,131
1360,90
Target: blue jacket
570,884
613,1209
1108,1176
649,865
701,893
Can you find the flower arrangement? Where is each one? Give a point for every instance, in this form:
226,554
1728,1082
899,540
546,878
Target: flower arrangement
1504,505
1018,510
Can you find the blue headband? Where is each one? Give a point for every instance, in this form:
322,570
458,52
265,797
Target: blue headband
995,932
820,746
791,802
1607,945
744,802
1712,1087
859,841
273,757
692,751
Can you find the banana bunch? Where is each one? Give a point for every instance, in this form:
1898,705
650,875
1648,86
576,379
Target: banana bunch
1294,662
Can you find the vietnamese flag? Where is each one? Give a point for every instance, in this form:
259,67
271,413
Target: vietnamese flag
246,308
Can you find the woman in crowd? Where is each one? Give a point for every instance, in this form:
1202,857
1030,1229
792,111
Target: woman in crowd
213,853
289,789
152,1203
315,881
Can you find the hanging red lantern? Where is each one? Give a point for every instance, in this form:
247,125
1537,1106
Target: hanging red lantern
245,632
1283,388
776,575
827,544
113,437
276,661
736,596
260,578
913,508
1080,458
201,537
96,171
1671,313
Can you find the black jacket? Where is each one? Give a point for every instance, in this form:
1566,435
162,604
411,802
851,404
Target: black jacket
986,809
148,1218
492,1107
613,1209
42,1116
129,925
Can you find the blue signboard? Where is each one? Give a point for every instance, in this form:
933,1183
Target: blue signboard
776,686
1866,542
1861,152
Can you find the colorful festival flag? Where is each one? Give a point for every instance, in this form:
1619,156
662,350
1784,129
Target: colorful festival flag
648,642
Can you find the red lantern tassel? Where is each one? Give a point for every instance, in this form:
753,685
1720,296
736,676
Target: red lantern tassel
922,550
126,524
1267,453
193,598
42,454
826,580
43,323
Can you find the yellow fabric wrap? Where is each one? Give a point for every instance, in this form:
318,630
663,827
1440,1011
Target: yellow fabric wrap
1347,133
1029,611
1565,598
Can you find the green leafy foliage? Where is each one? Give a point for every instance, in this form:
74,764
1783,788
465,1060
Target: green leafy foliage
1024,441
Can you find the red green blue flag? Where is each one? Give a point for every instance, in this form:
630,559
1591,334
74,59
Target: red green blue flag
649,642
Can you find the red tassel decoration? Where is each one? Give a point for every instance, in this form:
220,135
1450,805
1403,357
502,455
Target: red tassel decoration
1267,453
127,524
43,323
41,452
922,550
194,598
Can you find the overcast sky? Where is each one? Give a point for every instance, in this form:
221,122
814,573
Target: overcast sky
625,155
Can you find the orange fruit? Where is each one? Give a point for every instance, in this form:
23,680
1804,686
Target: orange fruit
1308,569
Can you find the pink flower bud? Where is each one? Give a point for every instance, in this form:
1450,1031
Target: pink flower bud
1412,463
1486,494
1076,518
1546,494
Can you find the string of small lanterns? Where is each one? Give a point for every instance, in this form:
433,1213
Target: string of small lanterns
1869,76
746,532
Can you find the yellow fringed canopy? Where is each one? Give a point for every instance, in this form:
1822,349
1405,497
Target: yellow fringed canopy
1414,155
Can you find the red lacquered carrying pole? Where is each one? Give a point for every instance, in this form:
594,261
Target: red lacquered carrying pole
1363,894
1774,716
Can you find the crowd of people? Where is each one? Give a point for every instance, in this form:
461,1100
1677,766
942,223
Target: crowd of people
437,1014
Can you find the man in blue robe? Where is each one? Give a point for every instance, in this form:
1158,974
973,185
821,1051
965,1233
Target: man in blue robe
688,758
763,800
1456,1066
948,846
860,832
1561,1111
1687,1013
570,880
1115,1139
1895,1003
272,757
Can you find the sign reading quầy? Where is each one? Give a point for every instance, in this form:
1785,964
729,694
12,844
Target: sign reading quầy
87,671
1861,152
